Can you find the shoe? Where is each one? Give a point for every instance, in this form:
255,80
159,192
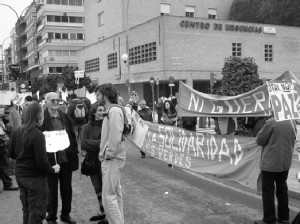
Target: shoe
103,221
11,188
97,217
278,221
143,156
68,220
170,165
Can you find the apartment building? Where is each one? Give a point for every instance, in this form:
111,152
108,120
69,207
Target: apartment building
60,34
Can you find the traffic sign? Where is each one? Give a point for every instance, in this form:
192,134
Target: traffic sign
171,80
172,84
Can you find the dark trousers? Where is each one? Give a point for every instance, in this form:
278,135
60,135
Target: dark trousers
159,121
4,168
269,179
34,197
65,182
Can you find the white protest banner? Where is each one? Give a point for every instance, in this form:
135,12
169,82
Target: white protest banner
5,97
56,140
283,100
20,98
140,129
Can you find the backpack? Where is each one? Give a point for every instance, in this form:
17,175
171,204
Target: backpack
79,111
127,112
296,219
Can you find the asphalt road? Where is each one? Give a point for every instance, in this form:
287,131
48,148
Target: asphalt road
155,193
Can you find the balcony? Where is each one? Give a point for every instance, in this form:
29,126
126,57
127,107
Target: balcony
60,42
59,24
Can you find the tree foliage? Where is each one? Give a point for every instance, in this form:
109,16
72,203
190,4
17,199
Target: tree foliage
240,75
69,80
48,83
277,12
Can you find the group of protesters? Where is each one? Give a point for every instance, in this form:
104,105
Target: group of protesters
98,129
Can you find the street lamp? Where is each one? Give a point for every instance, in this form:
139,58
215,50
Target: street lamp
157,88
152,83
125,59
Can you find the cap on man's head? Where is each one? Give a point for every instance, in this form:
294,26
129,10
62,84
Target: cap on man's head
51,95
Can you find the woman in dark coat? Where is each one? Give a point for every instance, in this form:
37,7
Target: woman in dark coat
28,148
90,143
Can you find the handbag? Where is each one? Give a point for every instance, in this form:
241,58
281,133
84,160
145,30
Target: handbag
89,165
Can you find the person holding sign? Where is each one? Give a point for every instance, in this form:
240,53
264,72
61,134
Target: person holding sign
277,139
28,148
90,143
56,120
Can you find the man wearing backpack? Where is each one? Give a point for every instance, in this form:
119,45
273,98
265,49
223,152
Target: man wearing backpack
79,114
112,154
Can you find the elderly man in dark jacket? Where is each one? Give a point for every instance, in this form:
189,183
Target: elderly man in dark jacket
277,140
55,119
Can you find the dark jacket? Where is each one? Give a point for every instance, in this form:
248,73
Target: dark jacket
72,150
91,135
278,141
146,114
71,108
29,153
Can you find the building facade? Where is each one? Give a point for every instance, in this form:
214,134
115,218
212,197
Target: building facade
60,34
187,40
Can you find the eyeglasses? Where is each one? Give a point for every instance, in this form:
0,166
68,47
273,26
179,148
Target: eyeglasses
54,100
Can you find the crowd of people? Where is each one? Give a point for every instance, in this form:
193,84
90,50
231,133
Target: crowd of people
98,129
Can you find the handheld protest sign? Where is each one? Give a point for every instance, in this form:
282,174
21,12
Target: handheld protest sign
283,100
56,141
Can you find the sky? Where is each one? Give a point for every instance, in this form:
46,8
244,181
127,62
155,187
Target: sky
8,18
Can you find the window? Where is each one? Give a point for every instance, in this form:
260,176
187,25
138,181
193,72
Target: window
55,69
57,2
58,53
142,54
50,36
57,35
112,60
165,9
50,18
50,1
65,36
73,36
268,52
65,53
190,11
64,19
92,65
64,2
101,19
212,13
72,2
79,2
79,36
72,53
57,18
236,49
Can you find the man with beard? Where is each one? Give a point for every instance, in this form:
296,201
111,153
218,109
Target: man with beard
112,153
54,120
146,114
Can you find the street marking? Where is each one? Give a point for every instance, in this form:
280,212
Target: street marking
233,188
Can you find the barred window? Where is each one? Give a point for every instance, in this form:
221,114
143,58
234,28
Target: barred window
236,49
142,54
269,53
92,65
112,60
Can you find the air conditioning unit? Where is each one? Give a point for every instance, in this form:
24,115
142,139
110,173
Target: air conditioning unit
64,14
